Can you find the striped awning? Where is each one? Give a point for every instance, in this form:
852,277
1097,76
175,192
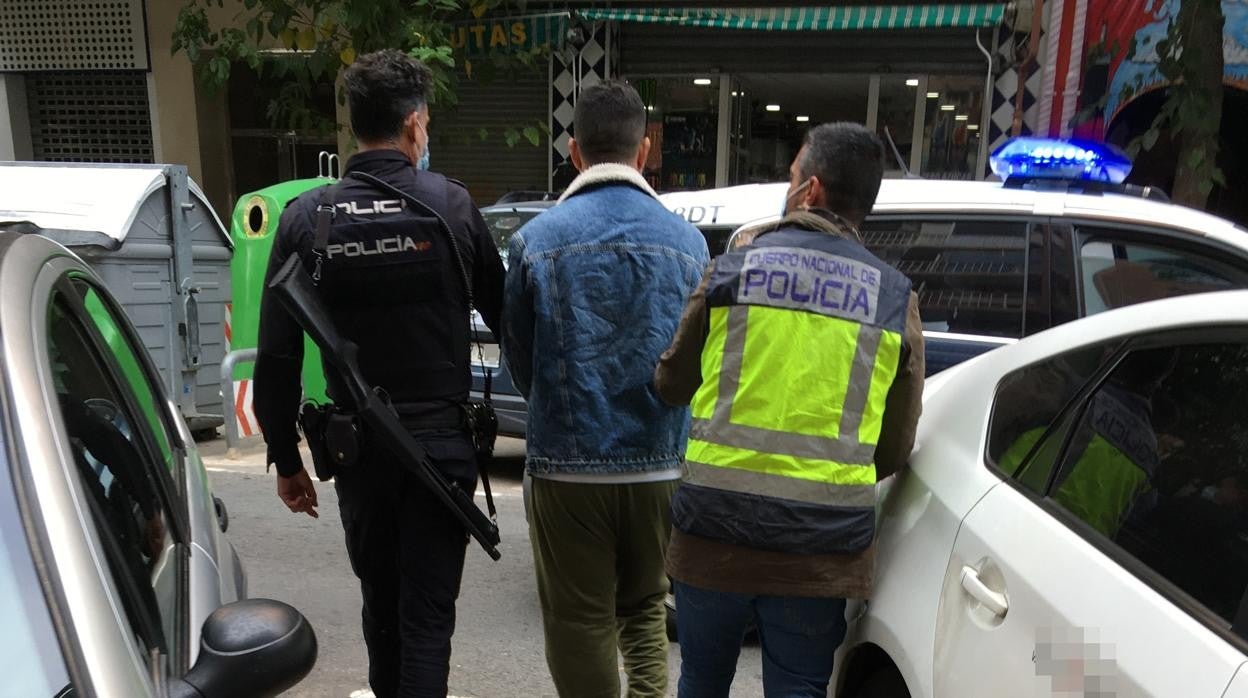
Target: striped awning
811,18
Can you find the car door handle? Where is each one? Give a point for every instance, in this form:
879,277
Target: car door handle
992,600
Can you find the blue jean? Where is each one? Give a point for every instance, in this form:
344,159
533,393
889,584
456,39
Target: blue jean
799,638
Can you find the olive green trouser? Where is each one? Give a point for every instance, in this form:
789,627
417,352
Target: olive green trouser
599,551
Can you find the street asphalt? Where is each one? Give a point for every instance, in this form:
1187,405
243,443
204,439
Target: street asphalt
498,649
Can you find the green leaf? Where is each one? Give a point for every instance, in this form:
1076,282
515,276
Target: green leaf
1149,139
1195,158
533,135
484,134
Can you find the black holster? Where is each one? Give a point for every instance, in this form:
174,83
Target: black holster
482,425
333,437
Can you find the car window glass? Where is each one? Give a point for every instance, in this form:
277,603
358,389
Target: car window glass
503,224
1115,273
1158,464
114,460
970,275
30,657
136,378
716,238
1026,407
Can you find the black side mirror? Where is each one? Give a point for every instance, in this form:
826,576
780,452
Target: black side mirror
250,648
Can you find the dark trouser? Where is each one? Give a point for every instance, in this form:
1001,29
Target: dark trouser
408,552
799,638
599,553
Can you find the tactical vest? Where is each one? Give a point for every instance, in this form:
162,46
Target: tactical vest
805,339
389,279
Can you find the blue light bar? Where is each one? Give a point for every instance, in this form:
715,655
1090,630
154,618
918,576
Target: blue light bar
1051,158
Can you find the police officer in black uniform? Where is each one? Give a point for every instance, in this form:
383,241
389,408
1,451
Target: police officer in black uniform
393,286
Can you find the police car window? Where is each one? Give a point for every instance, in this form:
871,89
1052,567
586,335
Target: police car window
1159,466
112,459
970,275
1115,273
1024,434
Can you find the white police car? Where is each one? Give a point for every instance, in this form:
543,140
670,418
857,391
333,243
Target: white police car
992,262
1041,544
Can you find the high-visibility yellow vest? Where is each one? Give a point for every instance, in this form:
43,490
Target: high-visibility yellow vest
805,339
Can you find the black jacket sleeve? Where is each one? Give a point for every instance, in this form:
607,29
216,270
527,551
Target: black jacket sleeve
487,265
488,275
279,360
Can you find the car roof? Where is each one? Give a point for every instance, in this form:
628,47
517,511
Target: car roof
736,206
519,206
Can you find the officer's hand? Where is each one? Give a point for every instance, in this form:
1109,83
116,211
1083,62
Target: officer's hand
298,494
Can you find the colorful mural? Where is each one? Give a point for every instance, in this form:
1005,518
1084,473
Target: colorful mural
1121,54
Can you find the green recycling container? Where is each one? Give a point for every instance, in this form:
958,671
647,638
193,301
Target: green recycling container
253,228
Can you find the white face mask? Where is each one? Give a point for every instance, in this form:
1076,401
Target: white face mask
784,207
423,163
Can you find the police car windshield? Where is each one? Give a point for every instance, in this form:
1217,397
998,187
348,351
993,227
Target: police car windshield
503,223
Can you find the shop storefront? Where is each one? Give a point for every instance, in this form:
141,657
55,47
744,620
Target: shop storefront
731,93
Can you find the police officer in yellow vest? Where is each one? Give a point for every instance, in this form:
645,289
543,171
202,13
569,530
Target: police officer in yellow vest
802,357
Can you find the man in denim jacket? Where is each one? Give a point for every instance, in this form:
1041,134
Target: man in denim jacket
594,293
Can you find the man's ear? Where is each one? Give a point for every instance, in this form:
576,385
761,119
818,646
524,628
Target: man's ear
411,125
574,152
643,154
815,196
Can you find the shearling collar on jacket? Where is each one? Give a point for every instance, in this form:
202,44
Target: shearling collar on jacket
607,173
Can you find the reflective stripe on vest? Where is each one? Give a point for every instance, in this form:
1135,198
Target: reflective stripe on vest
796,370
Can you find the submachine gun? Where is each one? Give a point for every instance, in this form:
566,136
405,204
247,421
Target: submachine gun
294,289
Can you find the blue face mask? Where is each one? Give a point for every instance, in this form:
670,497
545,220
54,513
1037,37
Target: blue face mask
423,163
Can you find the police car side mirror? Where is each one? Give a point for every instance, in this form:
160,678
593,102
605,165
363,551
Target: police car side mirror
255,647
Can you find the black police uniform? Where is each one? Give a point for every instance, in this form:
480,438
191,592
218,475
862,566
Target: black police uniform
392,287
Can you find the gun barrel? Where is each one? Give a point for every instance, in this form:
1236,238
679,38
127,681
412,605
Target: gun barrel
293,288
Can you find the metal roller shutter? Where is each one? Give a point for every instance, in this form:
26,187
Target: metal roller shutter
651,49
489,167
90,116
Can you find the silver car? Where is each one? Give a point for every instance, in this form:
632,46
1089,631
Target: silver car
116,578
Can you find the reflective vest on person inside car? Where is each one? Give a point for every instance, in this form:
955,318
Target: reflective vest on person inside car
805,338
1114,458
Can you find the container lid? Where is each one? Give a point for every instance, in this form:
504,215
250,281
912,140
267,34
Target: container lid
103,199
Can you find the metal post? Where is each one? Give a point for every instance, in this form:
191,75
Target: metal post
227,397
185,306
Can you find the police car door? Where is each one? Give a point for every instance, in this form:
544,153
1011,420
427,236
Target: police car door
1113,558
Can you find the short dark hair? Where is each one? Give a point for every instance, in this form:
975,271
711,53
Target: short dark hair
609,122
383,88
848,159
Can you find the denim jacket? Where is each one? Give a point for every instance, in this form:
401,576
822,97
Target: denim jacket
595,288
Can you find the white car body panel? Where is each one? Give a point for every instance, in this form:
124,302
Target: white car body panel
924,509
1239,684
1073,612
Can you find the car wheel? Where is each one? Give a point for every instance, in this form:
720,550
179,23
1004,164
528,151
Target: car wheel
883,683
